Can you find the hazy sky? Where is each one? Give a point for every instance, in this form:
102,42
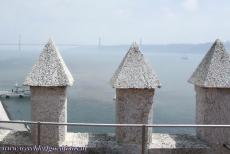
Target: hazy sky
115,21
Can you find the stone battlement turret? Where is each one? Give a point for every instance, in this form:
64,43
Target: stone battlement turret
48,83
212,86
135,83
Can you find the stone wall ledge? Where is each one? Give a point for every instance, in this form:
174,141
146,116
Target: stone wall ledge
105,143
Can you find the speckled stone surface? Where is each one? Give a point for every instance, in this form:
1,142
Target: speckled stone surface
9,126
214,69
50,69
106,144
49,104
15,138
134,71
212,86
213,107
3,114
172,141
3,117
133,106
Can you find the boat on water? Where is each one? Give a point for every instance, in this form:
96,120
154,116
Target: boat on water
17,91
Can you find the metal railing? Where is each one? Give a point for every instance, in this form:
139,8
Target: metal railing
143,126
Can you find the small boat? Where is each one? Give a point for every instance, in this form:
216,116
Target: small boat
17,91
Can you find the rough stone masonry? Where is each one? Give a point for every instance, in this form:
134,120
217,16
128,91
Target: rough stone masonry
48,83
212,86
135,83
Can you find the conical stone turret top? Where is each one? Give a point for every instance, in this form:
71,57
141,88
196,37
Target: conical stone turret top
50,69
135,72
214,69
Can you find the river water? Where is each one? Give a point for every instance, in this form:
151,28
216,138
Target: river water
91,97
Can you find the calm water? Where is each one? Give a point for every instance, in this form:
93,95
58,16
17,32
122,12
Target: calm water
91,97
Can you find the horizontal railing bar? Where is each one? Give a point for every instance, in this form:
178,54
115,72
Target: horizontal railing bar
186,125
116,125
19,122
76,124
35,44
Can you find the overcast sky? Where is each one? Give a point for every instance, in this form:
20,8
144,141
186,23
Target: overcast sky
115,21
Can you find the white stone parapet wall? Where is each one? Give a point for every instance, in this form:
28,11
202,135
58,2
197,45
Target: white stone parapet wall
133,106
106,144
213,107
49,104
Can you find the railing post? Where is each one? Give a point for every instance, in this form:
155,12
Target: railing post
143,144
38,133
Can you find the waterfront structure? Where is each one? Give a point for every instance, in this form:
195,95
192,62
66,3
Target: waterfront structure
48,83
135,83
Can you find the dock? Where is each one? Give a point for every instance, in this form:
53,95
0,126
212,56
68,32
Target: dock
17,91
